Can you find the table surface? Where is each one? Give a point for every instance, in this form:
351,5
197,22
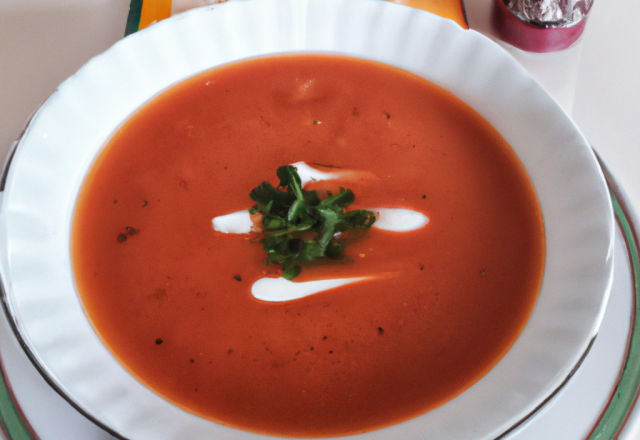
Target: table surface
42,42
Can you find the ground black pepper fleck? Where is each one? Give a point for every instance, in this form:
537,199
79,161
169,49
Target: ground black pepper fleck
237,278
122,238
159,341
380,330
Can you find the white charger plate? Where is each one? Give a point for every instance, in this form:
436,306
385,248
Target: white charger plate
72,127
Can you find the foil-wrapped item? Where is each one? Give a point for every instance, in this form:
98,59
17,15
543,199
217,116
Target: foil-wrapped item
550,13
540,25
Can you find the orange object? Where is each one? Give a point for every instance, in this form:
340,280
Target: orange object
172,299
154,11
452,9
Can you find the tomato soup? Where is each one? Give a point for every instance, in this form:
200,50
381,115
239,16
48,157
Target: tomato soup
171,297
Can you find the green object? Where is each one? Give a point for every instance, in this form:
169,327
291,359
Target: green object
133,20
298,226
626,392
10,417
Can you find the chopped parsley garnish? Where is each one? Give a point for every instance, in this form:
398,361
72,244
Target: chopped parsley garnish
298,226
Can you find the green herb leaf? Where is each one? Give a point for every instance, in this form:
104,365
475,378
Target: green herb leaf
290,272
278,201
298,226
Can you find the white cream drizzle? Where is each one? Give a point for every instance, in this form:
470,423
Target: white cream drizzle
280,289
238,222
398,219
309,174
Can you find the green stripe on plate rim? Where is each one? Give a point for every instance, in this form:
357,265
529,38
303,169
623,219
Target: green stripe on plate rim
625,394
12,421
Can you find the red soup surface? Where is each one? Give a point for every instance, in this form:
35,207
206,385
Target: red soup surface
171,297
